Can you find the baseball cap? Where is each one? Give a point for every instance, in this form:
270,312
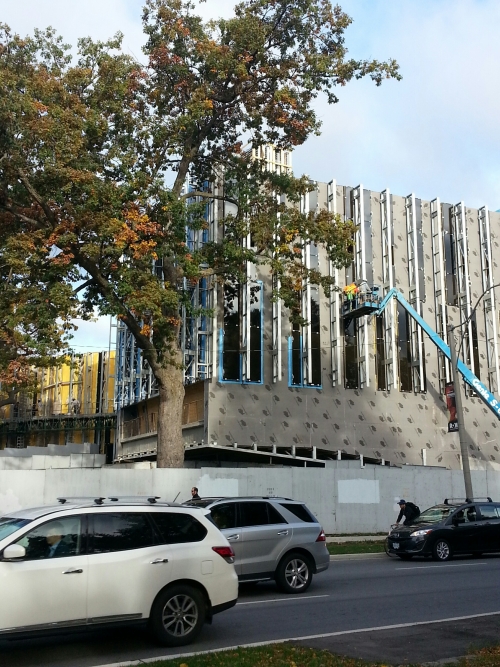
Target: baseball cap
402,502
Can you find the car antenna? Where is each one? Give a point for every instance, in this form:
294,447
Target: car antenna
176,497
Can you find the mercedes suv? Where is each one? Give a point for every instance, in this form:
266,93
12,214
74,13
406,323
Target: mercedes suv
272,538
96,562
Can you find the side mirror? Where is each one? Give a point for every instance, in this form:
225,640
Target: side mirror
14,552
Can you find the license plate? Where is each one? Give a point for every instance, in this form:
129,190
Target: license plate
395,545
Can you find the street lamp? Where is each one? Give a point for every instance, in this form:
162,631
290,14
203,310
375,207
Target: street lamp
458,395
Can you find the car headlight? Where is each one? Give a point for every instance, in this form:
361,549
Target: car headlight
421,533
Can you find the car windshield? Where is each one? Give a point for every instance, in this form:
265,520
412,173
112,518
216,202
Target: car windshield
9,525
434,515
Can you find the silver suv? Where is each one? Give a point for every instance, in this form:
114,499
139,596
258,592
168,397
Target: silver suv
272,538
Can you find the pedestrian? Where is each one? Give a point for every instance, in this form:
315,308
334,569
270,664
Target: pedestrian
409,511
194,494
75,406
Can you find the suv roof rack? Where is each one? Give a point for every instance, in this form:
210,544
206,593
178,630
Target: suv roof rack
454,501
100,499
149,499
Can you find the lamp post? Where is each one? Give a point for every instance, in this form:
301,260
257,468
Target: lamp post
460,414
458,395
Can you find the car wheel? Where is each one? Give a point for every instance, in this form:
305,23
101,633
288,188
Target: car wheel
405,556
178,615
441,550
294,573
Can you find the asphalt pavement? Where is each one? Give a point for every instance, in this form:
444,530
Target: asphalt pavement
380,609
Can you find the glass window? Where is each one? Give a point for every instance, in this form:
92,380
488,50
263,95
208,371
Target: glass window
468,514
254,514
259,513
300,511
231,366
404,348
255,361
274,515
489,511
54,539
176,528
380,353
224,516
9,525
434,515
351,366
119,532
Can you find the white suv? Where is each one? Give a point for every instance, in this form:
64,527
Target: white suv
89,562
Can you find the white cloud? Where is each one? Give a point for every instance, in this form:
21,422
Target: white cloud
435,133
91,336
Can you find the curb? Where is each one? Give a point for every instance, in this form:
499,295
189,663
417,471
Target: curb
357,556
332,539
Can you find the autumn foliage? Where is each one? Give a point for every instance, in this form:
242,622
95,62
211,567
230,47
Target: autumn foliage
95,151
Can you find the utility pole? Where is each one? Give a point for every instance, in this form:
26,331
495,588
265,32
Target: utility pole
460,414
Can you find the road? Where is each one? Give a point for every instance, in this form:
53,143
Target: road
352,595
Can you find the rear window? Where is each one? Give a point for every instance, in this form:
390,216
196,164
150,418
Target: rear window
176,528
300,511
121,532
9,525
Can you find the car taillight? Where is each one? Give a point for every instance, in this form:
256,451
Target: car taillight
226,552
321,536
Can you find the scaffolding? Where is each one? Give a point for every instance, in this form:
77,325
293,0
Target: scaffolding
72,403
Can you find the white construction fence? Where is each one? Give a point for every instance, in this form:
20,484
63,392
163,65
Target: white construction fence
346,497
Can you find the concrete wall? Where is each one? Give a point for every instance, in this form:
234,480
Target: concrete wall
345,497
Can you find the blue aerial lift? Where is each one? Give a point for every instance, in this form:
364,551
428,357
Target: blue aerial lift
370,303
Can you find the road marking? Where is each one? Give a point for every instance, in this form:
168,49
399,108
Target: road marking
428,567
288,599
177,656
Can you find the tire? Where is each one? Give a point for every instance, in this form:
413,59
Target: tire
178,615
294,573
441,550
405,556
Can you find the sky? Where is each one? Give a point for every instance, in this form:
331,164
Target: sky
435,133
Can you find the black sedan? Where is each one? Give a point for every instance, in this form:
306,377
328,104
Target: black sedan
471,527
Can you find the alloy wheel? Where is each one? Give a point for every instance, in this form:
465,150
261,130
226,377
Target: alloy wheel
180,615
296,573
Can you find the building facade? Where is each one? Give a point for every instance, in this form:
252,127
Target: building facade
73,403
371,387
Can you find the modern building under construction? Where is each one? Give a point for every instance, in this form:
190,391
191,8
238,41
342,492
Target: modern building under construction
73,403
366,385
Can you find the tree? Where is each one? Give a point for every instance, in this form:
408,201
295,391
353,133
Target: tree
35,314
86,150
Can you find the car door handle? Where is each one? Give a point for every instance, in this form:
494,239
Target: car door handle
283,532
159,560
72,571
233,538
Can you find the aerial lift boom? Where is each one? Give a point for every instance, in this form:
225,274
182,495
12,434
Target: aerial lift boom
370,304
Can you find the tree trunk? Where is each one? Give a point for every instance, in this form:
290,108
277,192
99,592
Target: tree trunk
170,452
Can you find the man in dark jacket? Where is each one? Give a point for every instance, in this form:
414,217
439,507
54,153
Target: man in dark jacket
409,511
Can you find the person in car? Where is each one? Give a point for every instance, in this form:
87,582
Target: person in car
56,548
409,511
